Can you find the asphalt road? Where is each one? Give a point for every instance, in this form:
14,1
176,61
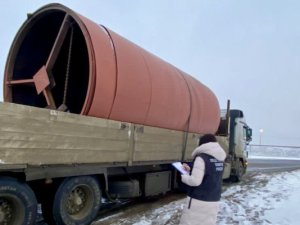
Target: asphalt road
272,165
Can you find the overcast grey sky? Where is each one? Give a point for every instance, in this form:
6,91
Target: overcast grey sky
246,51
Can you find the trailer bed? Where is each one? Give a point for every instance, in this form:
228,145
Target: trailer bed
31,136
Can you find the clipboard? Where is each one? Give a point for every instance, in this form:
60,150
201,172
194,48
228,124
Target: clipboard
178,166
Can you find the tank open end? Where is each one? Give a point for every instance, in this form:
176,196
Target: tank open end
48,64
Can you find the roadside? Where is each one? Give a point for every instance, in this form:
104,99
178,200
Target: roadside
267,199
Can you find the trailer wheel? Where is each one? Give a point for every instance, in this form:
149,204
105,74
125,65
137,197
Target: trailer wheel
77,201
18,204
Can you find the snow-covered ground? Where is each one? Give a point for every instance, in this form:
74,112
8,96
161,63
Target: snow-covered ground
273,152
260,199
268,199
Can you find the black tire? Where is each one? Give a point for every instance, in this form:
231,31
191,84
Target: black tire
77,201
240,171
18,204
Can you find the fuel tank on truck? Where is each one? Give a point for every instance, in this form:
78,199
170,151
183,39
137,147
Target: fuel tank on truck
61,60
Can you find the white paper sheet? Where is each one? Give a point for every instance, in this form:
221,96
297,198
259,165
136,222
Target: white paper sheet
179,167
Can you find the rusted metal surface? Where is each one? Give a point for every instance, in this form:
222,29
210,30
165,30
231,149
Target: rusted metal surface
109,76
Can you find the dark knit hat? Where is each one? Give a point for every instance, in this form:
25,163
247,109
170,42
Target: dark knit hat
207,138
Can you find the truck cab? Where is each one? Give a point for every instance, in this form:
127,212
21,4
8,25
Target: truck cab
234,135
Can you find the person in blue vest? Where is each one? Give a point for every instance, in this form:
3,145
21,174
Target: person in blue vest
204,183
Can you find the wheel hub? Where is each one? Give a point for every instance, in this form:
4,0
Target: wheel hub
76,201
5,212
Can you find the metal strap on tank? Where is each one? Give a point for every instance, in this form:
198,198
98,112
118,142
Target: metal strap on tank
116,63
186,133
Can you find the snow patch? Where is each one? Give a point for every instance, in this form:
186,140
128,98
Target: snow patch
143,222
271,158
109,217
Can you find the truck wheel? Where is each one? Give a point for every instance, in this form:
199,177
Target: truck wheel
239,173
18,204
77,201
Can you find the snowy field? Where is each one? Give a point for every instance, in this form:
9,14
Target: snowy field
261,199
273,152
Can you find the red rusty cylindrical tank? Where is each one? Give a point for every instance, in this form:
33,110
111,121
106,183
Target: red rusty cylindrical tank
60,59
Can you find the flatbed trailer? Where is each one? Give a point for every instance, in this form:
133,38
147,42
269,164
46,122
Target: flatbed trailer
43,137
41,148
